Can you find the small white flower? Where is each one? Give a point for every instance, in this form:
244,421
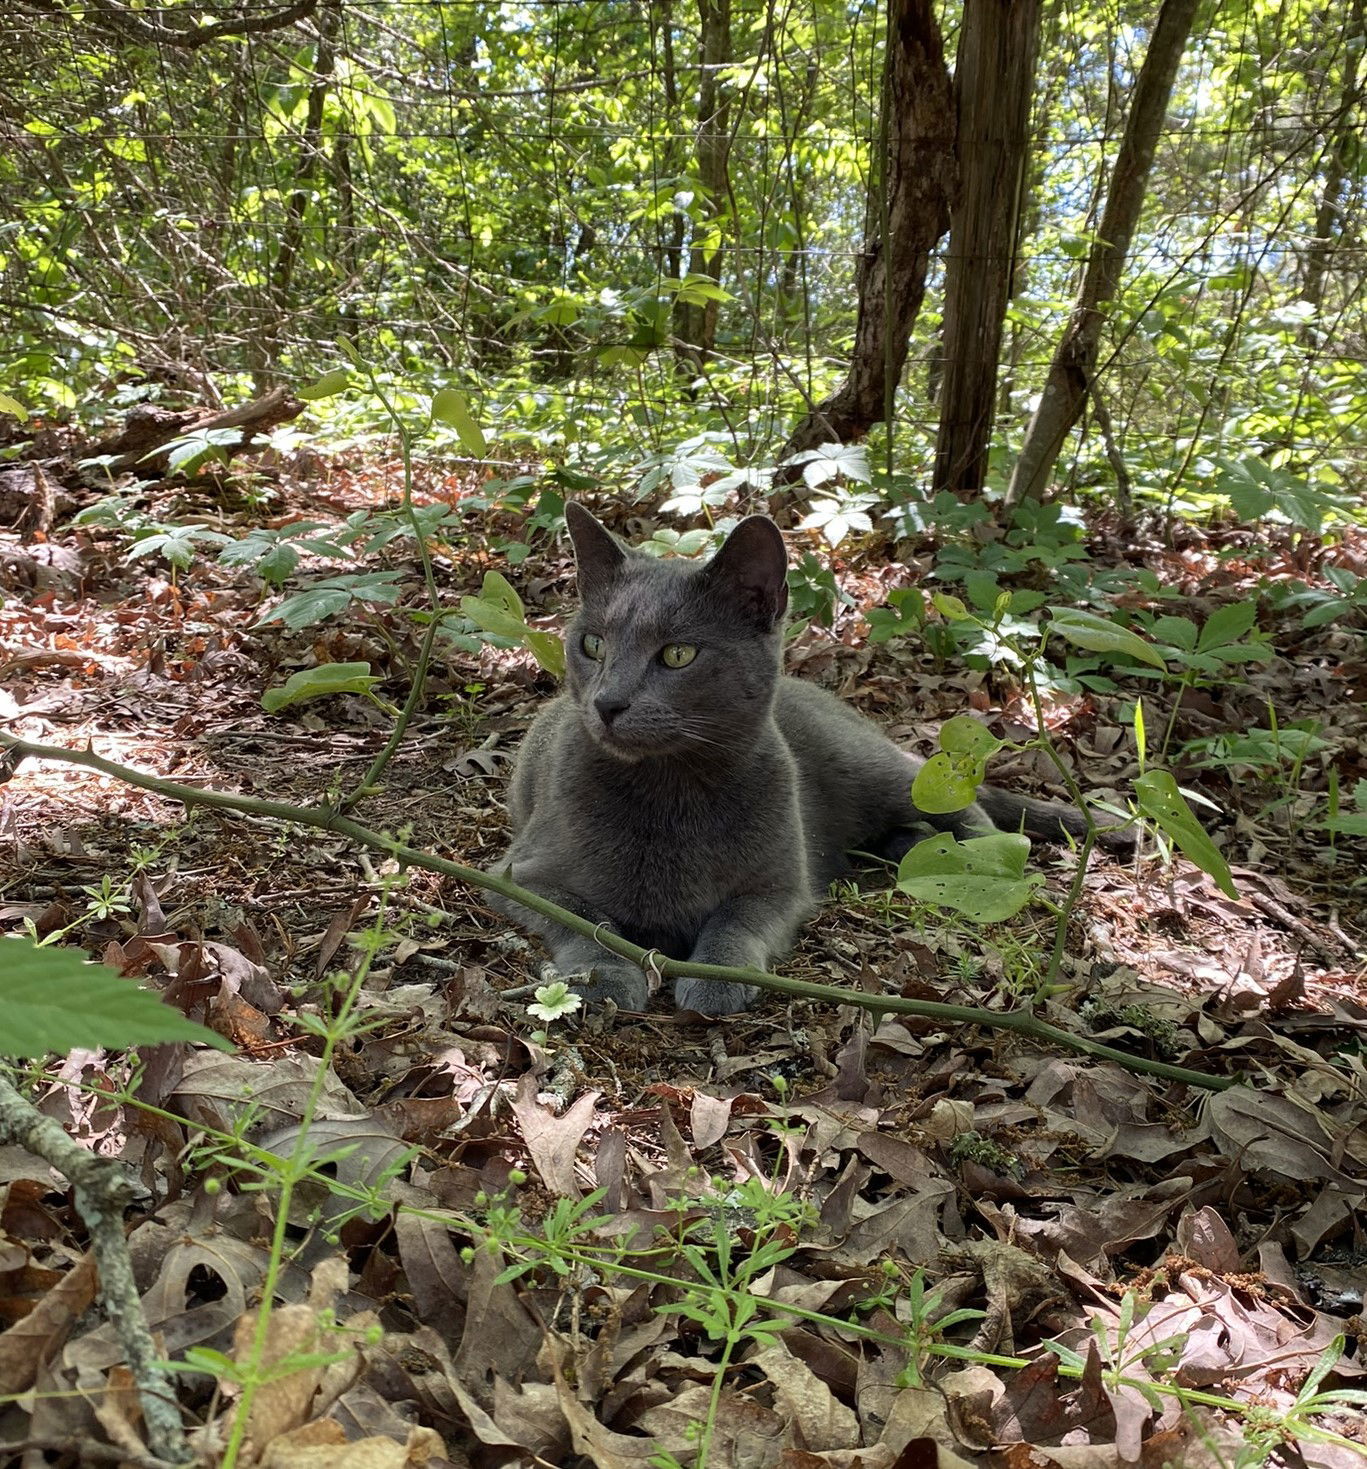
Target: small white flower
554,1002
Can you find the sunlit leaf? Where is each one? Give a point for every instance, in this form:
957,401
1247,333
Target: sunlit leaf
319,683
450,406
1100,635
983,878
325,386
1160,800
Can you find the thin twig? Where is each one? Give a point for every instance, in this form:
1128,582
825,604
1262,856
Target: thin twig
327,819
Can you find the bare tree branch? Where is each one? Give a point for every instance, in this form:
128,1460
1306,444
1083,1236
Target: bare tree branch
144,29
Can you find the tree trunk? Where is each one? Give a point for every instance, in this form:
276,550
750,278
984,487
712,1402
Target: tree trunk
994,78
664,27
1329,215
695,323
1074,364
296,210
908,213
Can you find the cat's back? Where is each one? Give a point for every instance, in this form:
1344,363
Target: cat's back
853,778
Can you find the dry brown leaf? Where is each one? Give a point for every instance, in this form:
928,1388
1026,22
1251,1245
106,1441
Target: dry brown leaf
501,1336
552,1141
1204,1237
1261,1130
815,1418
324,1445
217,1089
745,1433
708,1119
437,1277
37,1337
917,1425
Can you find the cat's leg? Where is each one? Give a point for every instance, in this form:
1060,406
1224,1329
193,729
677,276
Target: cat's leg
743,933
584,964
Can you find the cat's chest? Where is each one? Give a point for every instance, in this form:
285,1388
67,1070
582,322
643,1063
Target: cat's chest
660,857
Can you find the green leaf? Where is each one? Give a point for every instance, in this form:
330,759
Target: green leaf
548,650
950,608
1348,823
324,598
188,454
14,408
983,878
964,735
175,544
833,461
695,290
1179,631
319,683
53,1001
208,1361
949,781
946,783
325,386
497,588
494,617
498,610
450,406
1227,624
1160,799
1099,635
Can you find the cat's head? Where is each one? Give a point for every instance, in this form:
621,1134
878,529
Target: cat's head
670,658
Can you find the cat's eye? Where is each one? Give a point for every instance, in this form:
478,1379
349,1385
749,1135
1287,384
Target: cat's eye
678,655
593,647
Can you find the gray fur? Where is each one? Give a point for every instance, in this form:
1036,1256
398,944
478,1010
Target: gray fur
702,811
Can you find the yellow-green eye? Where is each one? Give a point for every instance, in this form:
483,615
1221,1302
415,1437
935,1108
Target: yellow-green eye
678,655
593,646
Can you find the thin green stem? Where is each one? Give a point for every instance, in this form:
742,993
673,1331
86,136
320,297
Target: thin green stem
1051,974
419,680
297,1169
1188,1397
714,1401
326,819
1043,741
1182,687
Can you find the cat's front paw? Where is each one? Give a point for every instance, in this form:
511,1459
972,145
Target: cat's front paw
614,980
714,996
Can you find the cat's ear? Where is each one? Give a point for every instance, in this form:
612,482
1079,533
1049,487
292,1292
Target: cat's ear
752,570
597,553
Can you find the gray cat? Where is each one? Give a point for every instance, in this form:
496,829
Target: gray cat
684,793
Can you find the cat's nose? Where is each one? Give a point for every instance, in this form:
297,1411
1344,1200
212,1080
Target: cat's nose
609,707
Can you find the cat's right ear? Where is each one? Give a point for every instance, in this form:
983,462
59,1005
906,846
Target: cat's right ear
597,553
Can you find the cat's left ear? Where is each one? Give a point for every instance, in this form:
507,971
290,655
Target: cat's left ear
752,570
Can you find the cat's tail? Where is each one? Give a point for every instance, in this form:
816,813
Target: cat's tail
1049,821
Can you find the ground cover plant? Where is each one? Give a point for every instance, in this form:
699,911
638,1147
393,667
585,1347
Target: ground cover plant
495,1229
1039,331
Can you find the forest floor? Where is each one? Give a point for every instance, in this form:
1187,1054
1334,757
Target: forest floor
811,1162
